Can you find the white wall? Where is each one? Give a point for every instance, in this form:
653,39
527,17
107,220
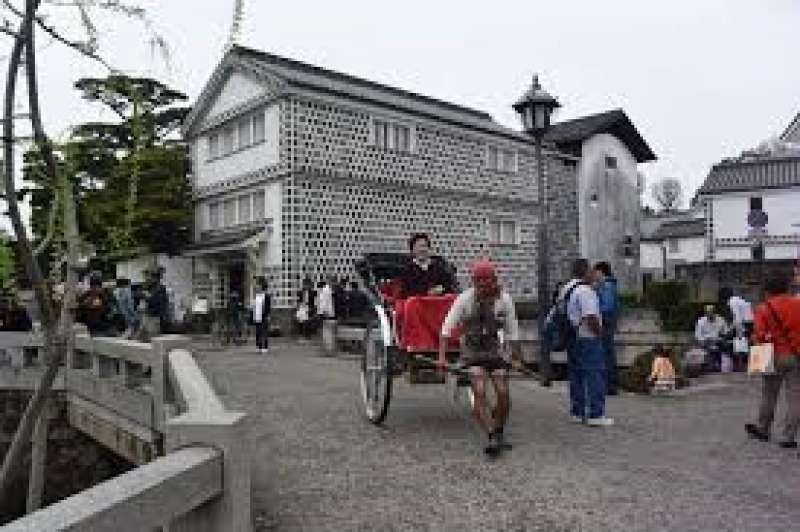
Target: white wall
731,210
732,253
690,250
237,90
208,172
651,255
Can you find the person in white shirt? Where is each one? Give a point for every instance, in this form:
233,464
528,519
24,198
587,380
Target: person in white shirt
325,308
489,339
709,333
262,308
586,361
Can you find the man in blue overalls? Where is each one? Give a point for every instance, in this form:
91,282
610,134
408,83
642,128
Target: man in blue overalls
485,313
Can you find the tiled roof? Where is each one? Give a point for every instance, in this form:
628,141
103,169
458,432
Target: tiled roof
569,135
792,132
753,174
680,229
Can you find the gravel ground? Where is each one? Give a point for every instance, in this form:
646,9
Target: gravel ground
679,463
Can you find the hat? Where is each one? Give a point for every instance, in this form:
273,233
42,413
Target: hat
483,269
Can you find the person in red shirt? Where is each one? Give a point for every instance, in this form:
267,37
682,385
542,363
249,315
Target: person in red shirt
777,321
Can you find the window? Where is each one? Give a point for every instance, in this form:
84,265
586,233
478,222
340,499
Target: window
611,162
227,140
213,215
245,137
402,138
503,232
492,158
213,146
244,209
229,212
756,204
627,250
381,134
508,161
258,205
259,127
757,251
674,245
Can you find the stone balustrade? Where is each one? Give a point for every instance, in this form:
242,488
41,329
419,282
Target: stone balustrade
194,455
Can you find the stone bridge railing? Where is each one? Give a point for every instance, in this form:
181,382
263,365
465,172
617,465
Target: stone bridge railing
152,403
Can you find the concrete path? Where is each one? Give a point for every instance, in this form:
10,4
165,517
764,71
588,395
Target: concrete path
678,463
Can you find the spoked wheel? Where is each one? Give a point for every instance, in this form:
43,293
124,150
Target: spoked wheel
376,377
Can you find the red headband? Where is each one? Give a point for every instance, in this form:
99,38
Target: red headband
483,269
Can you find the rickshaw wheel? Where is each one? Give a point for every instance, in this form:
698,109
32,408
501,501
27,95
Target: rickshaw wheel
376,376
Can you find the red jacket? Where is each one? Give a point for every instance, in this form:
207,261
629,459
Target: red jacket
786,336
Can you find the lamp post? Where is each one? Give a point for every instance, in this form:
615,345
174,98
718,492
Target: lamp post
535,108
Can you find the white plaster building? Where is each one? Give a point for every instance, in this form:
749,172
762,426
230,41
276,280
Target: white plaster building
609,188
668,240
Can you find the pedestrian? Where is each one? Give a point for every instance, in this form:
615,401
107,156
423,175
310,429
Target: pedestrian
325,302
710,332
586,362
262,309
94,307
608,295
305,312
742,326
124,307
156,304
358,302
340,294
481,312
777,321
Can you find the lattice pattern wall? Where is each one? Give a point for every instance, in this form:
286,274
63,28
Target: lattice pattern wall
347,197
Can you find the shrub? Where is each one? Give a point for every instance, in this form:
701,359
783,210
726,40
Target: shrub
634,378
631,300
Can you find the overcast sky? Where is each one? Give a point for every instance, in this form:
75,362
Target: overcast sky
701,80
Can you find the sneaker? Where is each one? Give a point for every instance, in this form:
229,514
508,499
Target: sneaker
492,446
602,421
756,433
576,419
788,445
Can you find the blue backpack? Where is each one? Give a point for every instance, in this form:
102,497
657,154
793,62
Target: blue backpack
560,331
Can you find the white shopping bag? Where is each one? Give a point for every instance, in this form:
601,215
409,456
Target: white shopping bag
762,360
741,345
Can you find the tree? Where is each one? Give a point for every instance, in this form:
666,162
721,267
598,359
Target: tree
56,317
7,265
668,194
130,166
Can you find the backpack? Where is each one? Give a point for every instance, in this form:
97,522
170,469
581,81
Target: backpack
561,331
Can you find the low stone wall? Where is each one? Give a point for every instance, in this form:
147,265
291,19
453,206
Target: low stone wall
74,461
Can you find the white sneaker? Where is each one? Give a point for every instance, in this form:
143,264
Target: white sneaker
600,421
576,419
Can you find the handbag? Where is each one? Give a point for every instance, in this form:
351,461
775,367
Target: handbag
741,345
762,360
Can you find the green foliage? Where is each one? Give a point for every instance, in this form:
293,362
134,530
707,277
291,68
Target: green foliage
7,265
676,310
631,300
102,159
634,378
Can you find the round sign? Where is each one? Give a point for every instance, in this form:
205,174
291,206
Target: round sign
757,218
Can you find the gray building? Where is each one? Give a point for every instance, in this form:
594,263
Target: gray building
299,170
608,202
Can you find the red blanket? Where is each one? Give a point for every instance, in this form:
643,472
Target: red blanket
419,322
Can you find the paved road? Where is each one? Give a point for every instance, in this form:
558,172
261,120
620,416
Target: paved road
677,463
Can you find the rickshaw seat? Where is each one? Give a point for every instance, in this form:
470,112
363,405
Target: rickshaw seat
418,322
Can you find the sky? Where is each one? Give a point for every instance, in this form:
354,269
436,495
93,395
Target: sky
701,80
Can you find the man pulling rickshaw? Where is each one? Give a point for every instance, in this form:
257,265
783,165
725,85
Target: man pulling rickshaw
489,330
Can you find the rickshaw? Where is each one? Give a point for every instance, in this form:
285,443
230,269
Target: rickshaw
402,335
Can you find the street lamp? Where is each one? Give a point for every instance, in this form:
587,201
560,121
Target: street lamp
535,108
